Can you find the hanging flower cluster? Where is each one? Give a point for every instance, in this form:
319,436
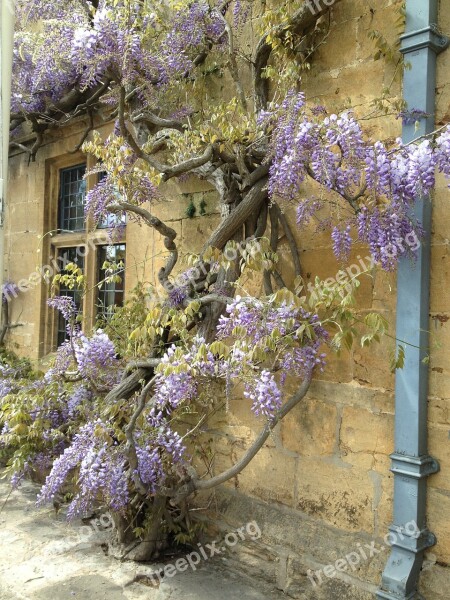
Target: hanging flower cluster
96,357
378,184
101,470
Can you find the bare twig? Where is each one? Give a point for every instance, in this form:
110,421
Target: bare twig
88,130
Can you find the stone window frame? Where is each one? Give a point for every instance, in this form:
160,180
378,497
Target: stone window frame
88,240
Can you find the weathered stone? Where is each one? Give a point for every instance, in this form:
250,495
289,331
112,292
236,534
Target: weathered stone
310,430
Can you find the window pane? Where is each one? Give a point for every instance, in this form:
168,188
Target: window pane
71,200
65,256
110,293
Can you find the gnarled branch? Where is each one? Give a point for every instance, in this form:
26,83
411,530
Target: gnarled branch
206,484
252,201
301,20
152,221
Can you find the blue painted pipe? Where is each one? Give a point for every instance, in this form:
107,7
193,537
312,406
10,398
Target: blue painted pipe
411,463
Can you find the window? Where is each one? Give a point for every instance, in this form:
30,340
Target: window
75,239
68,255
110,293
71,198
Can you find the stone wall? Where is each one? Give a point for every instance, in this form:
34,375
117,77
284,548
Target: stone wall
321,485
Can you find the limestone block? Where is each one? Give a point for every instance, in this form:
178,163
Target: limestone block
310,429
363,431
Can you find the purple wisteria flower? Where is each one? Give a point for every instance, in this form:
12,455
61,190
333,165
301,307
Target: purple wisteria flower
409,117
101,471
163,450
96,358
265,394
65,305
99,198
79,396
64,359
306,209
342,242
384,182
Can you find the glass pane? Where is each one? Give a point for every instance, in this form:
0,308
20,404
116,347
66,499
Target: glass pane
110,293
65,256
72,194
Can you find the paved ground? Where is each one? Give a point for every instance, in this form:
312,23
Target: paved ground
43,558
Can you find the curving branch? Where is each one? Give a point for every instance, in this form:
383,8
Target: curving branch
129,136
301,20
209,298
149,118
260,172
168,171
251,203
188,165
150,363
195,484
261,223
71,105
88,130
130,447
126,388
166,231
6,325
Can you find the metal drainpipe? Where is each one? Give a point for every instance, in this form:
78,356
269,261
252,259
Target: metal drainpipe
411,463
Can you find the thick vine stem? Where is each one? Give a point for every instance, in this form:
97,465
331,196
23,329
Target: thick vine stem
251,203
71,105
126,388
195,485
261,222
188,165
151,119
152,221
168,171
209,298
130,448
254,176
292,243
149,363
5,322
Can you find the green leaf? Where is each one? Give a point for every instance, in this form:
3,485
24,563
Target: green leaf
398,360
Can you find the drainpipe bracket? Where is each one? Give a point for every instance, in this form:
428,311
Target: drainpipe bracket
414,543
416,467
426,38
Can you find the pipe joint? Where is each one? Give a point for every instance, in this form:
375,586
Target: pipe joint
427,38
414,543
415,467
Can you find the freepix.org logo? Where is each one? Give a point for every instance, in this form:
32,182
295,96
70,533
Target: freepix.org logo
316,6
